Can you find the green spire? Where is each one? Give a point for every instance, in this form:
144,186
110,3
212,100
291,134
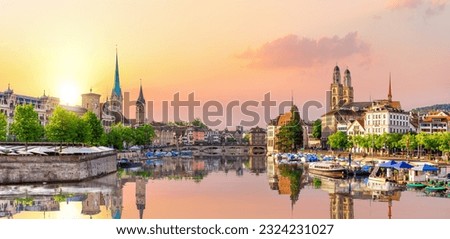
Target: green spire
117,92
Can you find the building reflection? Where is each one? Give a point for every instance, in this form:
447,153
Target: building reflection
98,198
287,179
103,197
341,206
91,205
257,164
141,184
343,192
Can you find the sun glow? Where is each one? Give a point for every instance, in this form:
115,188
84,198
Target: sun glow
69,93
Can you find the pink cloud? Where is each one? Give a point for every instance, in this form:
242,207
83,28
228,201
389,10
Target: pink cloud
435,7
400,4
302,52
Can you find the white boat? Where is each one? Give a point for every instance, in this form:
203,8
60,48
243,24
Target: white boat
380,182
328,169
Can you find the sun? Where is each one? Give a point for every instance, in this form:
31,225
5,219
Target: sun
69,93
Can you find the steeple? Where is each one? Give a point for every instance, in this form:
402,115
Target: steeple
337,75
141,98
390,89
117,92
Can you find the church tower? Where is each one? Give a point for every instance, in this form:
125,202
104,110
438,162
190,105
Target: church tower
116,94
348,89
140,108
91,102
336,89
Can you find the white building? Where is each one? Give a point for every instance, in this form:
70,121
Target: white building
43,105
356,128
385,119
270,137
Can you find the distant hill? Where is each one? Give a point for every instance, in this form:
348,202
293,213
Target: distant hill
438,107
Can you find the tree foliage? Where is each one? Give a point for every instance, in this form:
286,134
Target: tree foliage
198,123
26,125
290,135
121,137
317,129
3,125
338,140
63,126
95,126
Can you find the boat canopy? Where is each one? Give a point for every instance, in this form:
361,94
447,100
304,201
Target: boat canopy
425,168
389,164
402,165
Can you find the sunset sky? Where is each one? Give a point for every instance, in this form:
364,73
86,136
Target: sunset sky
227,50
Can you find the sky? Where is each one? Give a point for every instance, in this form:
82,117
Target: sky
227,50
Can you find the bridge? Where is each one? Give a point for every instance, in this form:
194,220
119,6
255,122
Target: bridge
217,150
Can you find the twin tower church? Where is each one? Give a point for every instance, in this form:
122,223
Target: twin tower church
112,111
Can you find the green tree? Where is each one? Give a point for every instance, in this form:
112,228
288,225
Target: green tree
26,125
317,129
144,135
83,132
338,140
198,123
62,126
97,131
290,135
408,142
3,125
444,142
429,141
115,136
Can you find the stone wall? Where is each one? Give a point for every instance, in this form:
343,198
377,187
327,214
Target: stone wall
64,168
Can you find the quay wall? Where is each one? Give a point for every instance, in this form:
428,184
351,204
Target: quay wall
59,168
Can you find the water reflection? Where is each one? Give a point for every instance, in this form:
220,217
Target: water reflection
98,198
217,187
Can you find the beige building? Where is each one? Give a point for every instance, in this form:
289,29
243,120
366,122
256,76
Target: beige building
435,122
341,93
91,102
257,136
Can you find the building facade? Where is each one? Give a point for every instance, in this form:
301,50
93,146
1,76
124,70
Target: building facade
257,136
434,122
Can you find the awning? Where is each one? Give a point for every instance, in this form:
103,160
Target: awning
425,168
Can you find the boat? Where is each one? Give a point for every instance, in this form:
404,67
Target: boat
328,169
380,181
415,185
432,189
126,163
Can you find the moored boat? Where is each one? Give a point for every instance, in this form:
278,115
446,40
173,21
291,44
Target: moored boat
328,169
431,189
126,163
416,185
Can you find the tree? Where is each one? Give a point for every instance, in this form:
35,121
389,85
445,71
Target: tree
198,123
444,142
338,140
408,142
144,135
95,124
26,125
83,132
3,125
290,135
317,129
429,141
115,136
62,126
